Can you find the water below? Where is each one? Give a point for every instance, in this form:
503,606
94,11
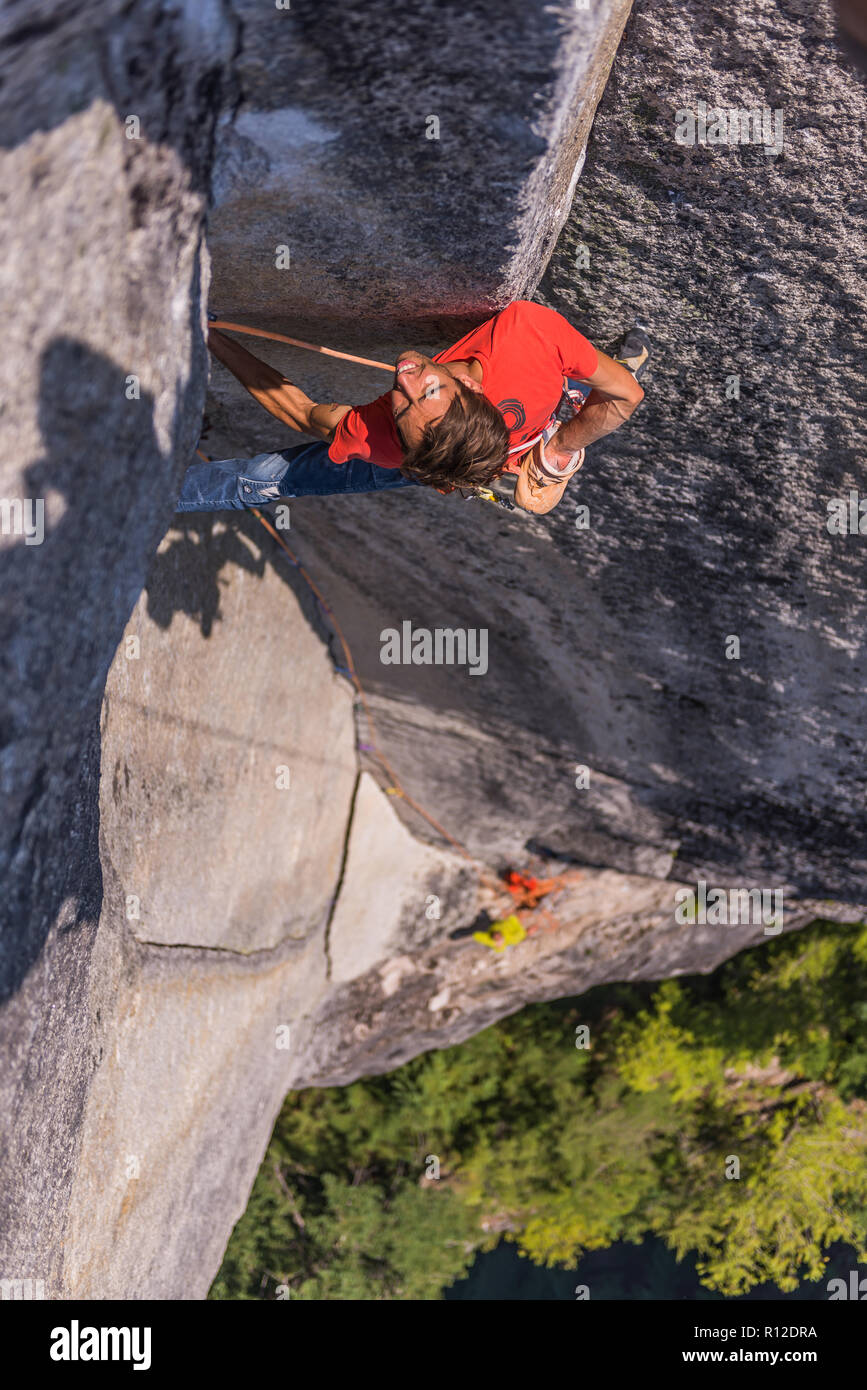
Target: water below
623,1271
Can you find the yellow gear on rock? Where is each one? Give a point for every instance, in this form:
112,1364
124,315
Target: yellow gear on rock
508,932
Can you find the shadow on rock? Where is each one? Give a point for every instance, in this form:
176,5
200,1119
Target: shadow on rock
187,575
63,606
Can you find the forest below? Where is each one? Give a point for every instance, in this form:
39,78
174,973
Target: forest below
724,1114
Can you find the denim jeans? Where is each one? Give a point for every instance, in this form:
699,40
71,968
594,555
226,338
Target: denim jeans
306,471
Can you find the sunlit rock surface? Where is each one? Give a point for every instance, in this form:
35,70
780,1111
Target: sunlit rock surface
209,894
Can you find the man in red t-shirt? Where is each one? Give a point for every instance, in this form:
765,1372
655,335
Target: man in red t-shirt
482,407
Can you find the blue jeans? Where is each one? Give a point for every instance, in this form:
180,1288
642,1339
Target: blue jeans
306,471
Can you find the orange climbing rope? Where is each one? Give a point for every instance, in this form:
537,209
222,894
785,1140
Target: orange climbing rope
396,788
525,890
299,342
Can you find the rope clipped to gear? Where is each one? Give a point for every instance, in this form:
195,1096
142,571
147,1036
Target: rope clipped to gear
502,888
396,788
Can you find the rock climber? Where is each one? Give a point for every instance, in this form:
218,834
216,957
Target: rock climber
483,407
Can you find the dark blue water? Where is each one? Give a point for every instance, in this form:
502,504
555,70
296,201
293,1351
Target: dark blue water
623,1271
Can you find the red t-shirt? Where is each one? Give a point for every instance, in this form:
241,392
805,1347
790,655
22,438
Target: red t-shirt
524,352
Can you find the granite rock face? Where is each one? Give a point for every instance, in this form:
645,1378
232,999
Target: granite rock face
101,379
209,897
417,164
697,640
712,515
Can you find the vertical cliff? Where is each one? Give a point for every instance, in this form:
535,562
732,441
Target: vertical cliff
609,643
107,118
208,897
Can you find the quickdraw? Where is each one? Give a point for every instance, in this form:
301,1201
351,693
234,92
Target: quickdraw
486,495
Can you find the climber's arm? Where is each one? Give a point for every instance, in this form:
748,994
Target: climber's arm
271,389
614,397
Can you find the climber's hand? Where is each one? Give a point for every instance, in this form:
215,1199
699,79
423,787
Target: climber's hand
564,461
535,490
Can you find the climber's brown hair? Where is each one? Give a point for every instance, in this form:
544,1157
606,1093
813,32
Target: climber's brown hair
469,445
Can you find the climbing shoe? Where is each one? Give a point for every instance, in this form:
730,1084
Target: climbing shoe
632,351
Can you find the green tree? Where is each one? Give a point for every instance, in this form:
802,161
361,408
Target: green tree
565,1150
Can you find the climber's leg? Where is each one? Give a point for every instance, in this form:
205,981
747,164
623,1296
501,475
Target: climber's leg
309,472
212,486
304,471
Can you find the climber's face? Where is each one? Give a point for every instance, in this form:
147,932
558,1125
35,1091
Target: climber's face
422,392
